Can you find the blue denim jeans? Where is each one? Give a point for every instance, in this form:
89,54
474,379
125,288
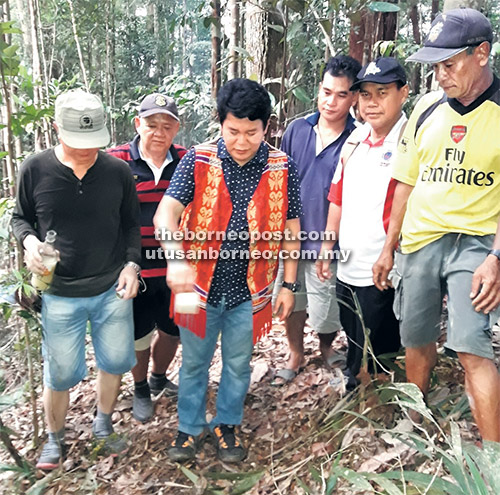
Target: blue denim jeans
236,329
64,325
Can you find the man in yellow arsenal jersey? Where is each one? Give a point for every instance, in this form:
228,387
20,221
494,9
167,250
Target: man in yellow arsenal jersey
446,208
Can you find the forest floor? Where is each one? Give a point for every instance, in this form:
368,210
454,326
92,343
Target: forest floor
295,433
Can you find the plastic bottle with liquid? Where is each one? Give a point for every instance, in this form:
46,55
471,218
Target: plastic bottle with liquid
50,257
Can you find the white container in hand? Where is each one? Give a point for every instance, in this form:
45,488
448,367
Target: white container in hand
187,303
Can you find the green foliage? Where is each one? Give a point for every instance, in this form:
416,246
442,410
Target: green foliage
458,468
9,57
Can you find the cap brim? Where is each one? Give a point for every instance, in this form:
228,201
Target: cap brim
85,140
154,111
432,55
374,79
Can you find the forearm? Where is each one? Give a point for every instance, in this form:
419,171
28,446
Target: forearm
166,222
401,195
290,245
332,227
130,224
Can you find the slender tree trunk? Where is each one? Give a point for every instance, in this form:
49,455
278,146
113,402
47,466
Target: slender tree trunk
9,139
216,39
22,7
184,39
36,67
31,377
434,9
109,76
281,109
233,8
44,88
417,37
5,437
77,43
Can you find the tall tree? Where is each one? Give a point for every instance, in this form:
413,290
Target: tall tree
216,43
233,36
263,35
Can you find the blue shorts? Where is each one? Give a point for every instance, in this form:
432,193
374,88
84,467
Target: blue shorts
64,325
444,267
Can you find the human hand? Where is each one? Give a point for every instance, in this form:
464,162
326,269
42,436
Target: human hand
180,277
32,257
382,268
485,289
285,302
128,280
323,269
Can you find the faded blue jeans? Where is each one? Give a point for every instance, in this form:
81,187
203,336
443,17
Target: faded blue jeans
236,330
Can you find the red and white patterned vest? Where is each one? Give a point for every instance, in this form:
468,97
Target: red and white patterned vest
210,212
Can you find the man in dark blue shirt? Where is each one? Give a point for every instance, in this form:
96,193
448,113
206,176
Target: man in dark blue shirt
314,142
244,189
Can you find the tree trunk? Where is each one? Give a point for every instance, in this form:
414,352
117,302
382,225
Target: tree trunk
109,76
417,37
264,45
36,68
367,28
77,43
233,35
357,35
25,28
10,159
216,35
434,9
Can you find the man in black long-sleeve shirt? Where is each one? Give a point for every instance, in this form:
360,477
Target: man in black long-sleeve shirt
89,199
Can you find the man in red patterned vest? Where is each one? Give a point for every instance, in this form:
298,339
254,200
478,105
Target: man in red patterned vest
236,205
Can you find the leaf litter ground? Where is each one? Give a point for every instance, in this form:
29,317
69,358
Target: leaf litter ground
293,432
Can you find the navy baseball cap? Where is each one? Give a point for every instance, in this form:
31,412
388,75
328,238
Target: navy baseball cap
451,33
383,70
158,103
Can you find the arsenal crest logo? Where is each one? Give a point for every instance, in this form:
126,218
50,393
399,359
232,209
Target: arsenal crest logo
458,132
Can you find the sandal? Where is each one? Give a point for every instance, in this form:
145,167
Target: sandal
284,376
336,360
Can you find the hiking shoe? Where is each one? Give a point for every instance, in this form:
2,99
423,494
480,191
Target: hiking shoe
184,447
163,384
109,442
142,408
52,455
229,447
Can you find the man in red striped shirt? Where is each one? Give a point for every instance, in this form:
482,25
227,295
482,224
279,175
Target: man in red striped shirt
152,157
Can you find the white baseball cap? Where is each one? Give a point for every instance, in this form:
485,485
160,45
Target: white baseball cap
80,120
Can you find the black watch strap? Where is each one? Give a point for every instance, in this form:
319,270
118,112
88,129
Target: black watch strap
495,252
293,286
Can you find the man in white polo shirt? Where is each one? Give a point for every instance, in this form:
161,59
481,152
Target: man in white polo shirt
361,198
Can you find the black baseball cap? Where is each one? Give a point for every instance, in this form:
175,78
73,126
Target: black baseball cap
383,70
158,103
451,33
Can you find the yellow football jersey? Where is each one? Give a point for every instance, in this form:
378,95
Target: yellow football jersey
451,155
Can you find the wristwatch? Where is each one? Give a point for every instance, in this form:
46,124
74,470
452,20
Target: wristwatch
495,252
293,286
135,266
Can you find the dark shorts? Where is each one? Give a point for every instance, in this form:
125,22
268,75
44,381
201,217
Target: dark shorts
152,309
378,317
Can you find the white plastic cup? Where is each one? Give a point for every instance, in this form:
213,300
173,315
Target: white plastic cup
187,303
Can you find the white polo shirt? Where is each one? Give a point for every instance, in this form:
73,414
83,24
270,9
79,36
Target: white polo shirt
364,189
